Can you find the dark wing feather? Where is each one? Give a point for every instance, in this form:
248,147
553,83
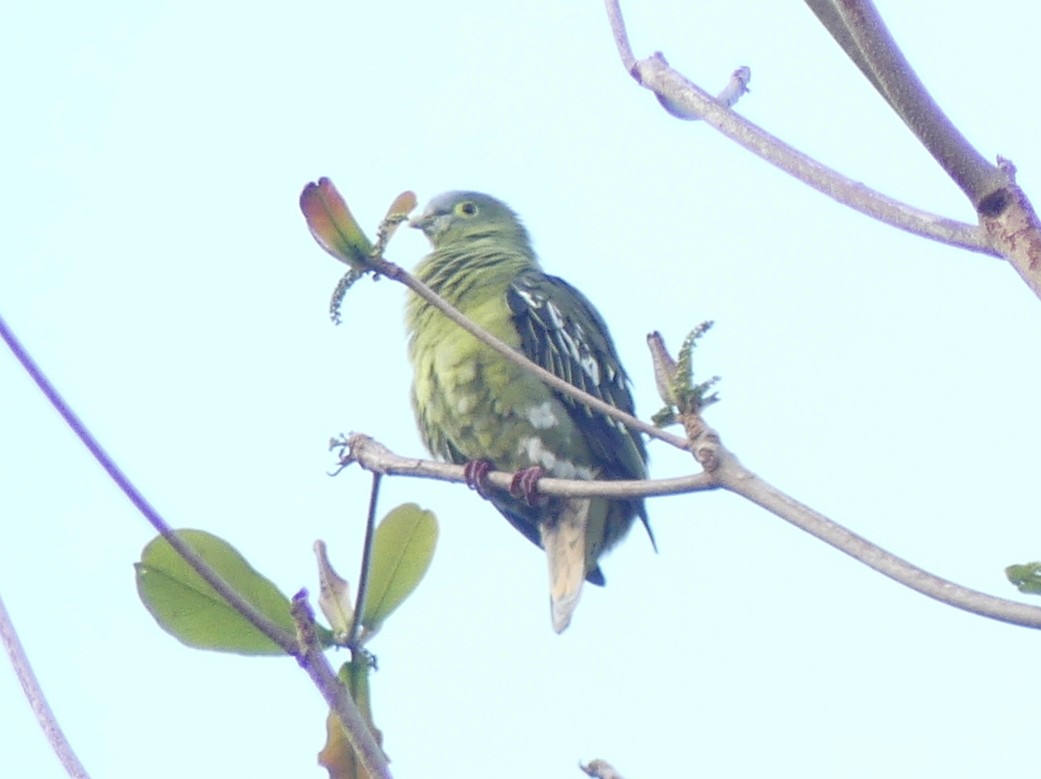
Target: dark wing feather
562,331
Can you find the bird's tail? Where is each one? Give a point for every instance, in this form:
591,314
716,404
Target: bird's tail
564,538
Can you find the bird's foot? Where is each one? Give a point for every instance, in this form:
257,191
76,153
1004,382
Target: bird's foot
476,474
525,484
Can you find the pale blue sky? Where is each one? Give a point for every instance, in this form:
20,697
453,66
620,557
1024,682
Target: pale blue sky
157,266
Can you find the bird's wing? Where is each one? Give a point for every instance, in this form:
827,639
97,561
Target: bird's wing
562,331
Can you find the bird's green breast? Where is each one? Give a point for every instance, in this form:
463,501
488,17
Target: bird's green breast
470,402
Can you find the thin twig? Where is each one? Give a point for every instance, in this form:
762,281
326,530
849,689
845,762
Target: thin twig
377,458
318,668
735,87
266,626
366,561
658,76
621,36
740,481
37,700
726,471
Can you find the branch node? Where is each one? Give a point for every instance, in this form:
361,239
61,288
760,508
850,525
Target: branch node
344,456
994,204
736,87
684,399
306,634
707,445
600,769
1008,167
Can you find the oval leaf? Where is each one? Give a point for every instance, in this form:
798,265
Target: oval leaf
187,608
402,549
333,225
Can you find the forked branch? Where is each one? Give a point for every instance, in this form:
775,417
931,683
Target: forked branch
674,89
1008,225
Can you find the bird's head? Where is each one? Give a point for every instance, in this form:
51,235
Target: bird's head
458,217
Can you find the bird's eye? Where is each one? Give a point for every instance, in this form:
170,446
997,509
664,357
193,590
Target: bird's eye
466,208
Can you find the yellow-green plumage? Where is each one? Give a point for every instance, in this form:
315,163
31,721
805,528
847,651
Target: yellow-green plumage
472,404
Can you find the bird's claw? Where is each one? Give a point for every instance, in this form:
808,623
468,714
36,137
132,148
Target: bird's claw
475,472
525,484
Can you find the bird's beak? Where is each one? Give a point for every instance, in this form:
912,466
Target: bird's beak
421,222
432,223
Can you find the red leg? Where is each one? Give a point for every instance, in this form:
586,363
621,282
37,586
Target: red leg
476,474
525,484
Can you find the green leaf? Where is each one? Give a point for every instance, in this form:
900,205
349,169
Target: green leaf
336,230
333,225
1026,577
402,549
187,608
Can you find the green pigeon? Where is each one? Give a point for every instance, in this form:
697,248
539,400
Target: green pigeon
474,407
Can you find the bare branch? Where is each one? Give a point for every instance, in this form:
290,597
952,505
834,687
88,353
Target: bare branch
377,458
735,87
722,470
737,479
37,700
656,74
600,769
1010,227
828,15
900,86
673,89
726,471
1008,219
728,96
621,36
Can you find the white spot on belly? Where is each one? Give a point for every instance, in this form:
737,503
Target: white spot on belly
538,454
542,417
